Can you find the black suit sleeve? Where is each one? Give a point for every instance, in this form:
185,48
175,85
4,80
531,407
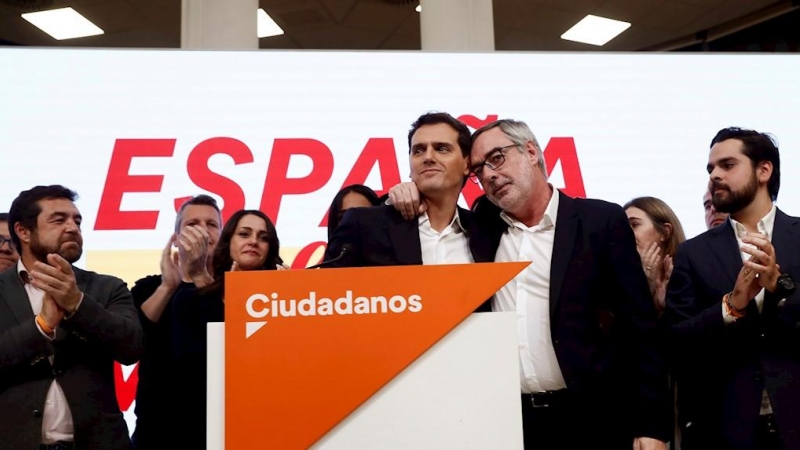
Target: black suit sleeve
348,234
22,346
636,322
107,316
789,313
192,312
694,316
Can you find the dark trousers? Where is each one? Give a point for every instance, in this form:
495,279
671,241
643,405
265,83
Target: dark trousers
569,422
767,436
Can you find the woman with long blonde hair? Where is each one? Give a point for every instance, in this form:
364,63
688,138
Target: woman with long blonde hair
658,233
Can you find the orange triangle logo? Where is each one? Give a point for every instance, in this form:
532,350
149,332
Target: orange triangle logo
304,349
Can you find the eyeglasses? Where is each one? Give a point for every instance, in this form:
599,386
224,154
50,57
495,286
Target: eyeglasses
493,161
4,240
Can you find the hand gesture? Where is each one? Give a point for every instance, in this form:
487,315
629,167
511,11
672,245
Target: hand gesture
660,293
51,313
651,263
762,260
405,199
757,272
193,251
57,279
170,270
646,443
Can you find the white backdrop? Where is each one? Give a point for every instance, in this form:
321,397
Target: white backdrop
641,125
641,122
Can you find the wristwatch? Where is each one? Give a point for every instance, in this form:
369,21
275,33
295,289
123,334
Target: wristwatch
785,286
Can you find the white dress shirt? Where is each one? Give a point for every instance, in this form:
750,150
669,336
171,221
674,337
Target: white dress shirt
451,246
765,227
528,294
57,418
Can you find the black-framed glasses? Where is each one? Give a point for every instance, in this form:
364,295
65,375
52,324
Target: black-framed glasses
4,240
493,161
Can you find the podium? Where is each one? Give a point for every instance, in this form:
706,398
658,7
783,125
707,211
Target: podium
309,359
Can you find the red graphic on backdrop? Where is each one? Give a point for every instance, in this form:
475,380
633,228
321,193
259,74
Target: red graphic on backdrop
119,181
378,152
474,122
126,389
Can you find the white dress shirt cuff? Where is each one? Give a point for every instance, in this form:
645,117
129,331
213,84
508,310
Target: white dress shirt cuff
69,316
727,318
49,338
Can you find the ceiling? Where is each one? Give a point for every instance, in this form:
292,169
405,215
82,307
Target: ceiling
378,24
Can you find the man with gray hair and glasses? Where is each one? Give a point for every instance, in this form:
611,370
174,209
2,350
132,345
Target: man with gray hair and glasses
590,372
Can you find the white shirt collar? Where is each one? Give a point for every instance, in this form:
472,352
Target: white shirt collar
764,226
21,269
548,219
425,222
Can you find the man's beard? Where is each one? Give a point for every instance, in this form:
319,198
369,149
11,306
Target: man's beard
40,251
736,200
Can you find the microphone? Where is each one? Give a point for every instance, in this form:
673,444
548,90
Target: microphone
345,248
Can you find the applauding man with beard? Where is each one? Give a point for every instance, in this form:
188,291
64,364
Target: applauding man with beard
61,329
733,311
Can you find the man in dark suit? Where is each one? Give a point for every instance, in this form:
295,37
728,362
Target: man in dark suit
732,310
439,147
61,329
590,372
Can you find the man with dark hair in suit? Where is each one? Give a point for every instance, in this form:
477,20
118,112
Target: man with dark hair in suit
8,253
61,329
733,311
439,147
590,373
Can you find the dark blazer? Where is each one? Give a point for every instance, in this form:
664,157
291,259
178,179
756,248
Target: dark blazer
721,370
379,236
602,319
191,313
159,376
104,329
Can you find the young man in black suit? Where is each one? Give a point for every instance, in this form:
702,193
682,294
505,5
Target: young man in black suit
732,309
439,147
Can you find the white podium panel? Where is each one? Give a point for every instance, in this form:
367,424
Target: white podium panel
462,393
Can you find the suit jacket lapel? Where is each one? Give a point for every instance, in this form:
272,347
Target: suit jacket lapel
725,248
784,240
13,293
404,235
563,243
479,246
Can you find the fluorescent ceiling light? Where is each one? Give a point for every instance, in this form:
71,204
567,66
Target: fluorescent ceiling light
418,8
266,26
63,23
595,30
